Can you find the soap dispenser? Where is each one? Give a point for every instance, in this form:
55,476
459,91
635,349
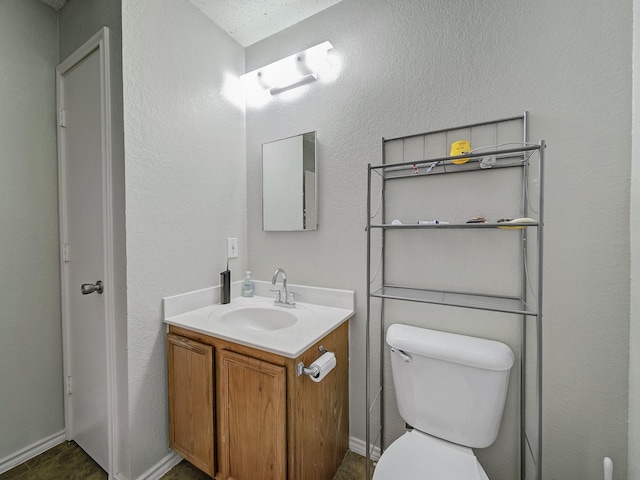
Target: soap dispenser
247,286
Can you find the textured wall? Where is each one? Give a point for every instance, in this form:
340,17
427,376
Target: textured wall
185,187
634,344
31,405
414,66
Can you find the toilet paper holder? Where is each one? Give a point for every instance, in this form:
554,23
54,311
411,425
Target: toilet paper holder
311,371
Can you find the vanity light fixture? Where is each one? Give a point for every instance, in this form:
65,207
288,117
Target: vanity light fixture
290,72
312,77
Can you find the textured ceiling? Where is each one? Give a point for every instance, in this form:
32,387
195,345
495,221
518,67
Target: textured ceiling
248,21
55,4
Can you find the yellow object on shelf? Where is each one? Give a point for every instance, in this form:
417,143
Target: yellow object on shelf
458,148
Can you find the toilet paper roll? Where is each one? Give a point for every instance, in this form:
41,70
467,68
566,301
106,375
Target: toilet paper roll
324,364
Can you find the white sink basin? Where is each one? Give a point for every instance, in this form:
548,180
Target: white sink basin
259,318
256,322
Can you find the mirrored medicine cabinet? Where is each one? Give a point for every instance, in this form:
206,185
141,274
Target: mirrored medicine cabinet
289,184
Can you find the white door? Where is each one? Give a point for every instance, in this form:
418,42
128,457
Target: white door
84,263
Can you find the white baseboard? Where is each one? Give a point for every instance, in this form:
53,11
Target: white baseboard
154,473
167,463
30,451
162,467
360,447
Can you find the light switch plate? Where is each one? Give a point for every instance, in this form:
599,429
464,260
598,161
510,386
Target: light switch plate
232,248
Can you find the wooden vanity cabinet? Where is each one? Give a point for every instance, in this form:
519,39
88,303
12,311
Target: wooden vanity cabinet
269,423
253,418
191,398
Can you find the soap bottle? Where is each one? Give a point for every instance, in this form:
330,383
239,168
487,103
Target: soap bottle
247,286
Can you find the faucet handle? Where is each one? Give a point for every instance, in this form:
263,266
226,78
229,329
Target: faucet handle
291,298
278,294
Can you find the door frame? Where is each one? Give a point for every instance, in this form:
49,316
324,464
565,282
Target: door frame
100,42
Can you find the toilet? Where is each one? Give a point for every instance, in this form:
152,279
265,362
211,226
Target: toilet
451,389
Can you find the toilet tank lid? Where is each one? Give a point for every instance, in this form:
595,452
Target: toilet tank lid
451,347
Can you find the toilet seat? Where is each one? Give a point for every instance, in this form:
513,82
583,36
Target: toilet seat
418,456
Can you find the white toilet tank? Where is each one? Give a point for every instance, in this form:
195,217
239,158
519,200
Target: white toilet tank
450,386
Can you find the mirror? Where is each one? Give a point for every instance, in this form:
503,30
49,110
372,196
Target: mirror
289,181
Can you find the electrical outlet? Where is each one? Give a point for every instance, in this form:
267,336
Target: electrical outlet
232,248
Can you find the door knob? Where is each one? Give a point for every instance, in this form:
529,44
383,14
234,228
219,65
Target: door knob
88,288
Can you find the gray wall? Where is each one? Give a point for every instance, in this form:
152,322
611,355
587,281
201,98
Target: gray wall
185,187
634,334
412,66
30,345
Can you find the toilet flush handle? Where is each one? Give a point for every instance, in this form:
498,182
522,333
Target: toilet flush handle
403,355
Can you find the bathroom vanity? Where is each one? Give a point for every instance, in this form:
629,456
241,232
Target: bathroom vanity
239,410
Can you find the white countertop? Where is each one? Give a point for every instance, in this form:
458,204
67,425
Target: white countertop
313,323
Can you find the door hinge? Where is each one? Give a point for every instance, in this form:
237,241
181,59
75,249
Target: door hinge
62,120
69,385
65,252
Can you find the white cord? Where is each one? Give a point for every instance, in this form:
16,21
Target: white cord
529,204
377,270
526,158
379,207
380,200
526,273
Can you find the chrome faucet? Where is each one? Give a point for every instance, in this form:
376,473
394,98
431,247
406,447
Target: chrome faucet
284,298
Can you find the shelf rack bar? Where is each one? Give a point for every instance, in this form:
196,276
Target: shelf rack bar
446,226
523,295
368,334
504,152
383,209
463,127
494,303
539,317
507,153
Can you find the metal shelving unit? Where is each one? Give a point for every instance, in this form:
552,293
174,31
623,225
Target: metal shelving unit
517,153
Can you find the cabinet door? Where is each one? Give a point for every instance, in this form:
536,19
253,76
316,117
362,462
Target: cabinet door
252,414
191,401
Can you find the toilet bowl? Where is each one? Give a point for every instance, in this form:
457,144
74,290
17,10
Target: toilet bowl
451,389
419,456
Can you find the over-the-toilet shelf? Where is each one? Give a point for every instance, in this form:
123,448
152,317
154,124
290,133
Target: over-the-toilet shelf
410,188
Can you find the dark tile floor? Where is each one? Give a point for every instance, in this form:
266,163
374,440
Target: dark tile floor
67,461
